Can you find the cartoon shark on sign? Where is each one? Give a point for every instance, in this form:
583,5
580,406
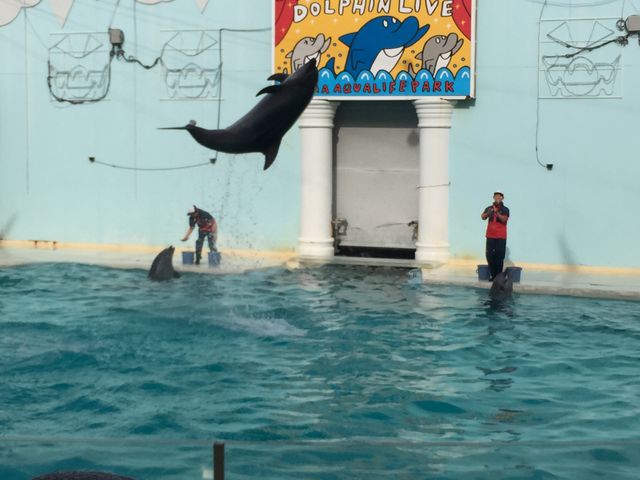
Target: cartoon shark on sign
380,43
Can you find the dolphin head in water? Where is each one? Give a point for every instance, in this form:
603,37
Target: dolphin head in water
162,266
502,286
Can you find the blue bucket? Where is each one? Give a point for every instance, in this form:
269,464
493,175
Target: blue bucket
483,272
214,259
514,273
187,258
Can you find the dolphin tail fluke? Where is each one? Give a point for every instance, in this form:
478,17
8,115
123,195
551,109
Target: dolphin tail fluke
172,128
270,153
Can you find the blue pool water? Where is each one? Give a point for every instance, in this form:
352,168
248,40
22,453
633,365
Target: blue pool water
323,373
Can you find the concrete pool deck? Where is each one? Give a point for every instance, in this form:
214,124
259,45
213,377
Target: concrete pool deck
591,282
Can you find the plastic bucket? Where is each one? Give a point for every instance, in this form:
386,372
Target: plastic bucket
214,259
187,258
483,272
514,273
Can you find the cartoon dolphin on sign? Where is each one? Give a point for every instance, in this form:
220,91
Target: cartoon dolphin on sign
306,49
438,50
380,43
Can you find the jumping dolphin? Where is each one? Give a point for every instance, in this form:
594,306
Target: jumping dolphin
262,128
438,50
306,49
162,266
81,476
379,44
502,287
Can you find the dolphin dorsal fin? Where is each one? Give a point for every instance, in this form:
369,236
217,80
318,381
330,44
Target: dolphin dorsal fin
270,153
278,77
347,39
269,89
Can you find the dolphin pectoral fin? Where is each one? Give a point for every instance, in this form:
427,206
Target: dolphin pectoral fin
326,45
172,128
457,47
270,153
278,77
347,39
269,89
176,275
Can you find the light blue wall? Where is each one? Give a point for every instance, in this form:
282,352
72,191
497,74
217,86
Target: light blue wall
45,175
580,212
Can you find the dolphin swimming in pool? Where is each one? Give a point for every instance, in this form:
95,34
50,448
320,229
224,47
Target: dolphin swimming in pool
81,476
502,286
162,266
262,128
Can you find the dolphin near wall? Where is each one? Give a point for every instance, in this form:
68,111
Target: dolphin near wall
262,128
502,287
162,266
81,476
380,43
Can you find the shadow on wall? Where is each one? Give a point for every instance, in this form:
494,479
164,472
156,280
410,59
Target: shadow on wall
568,258
8,226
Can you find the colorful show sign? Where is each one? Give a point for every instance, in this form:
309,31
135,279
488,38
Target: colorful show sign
391,49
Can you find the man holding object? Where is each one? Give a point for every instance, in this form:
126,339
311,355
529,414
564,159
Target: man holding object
498,216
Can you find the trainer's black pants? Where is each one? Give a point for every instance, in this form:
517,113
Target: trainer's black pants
496,248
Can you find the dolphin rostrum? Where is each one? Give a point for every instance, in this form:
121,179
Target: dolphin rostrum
262,128
162,266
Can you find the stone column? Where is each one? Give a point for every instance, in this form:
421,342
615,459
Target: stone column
316,206
434,123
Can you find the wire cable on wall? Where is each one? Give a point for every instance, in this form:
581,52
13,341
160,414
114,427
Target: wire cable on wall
548,166
622,40
219,103
152,169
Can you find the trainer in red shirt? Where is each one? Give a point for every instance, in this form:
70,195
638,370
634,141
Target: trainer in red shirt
498,215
